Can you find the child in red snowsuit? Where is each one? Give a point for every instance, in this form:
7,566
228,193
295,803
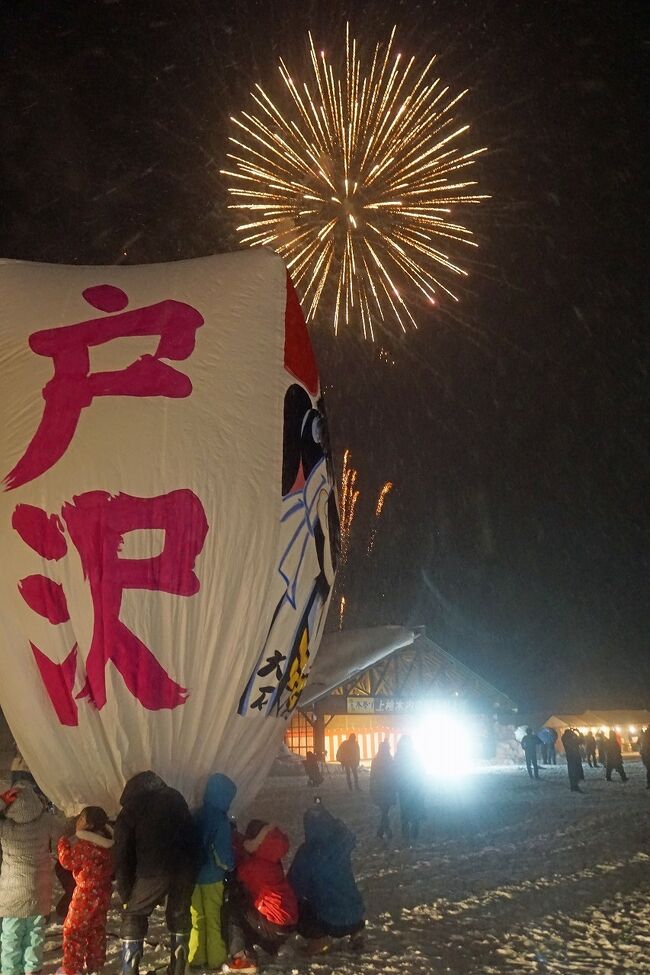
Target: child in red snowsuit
88,856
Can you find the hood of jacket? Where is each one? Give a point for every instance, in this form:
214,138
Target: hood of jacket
323,830
270,843
26,807
219,792
106,842
139,785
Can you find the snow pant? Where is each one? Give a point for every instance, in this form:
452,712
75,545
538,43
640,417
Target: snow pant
311,926
84,932
147,893
544,753
574,768
247,927
616,768
384,822
352,772
67,881
591,758
22,944
531,764
207,944
410,810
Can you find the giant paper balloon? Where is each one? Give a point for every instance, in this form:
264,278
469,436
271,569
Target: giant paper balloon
168,523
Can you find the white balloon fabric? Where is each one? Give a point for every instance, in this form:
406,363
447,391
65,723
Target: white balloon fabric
168,521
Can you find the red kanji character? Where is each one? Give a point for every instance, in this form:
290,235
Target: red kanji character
74,387
96,523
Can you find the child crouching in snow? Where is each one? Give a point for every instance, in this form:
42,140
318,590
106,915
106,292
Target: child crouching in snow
262,907
321,875
26,834
89,858
207,946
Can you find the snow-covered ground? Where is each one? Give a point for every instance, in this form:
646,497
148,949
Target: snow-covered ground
510,877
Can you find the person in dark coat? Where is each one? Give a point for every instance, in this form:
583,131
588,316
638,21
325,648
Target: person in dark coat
614,758
551,755
156,858
408,778
590,749
312,770
601,746
262,906
644,749
350,758
329,903
383,787
530,743
571,743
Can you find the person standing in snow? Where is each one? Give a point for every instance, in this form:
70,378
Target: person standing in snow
408,778
614,758
329,902
530,743
590,749
383,787
571,744
262,908
601,745
644,748
551,755
312,770
88,857
350,758
207,945
27,833
156,860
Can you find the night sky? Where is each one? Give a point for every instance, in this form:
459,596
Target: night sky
515,426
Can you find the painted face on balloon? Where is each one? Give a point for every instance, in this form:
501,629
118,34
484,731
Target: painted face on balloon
309,552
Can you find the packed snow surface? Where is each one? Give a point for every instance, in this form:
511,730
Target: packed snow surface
510,877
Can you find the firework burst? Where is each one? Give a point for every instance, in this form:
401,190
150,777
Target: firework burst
355,179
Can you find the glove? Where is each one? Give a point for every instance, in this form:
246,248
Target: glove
9,796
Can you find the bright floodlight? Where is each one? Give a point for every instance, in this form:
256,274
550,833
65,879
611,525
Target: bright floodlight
447,742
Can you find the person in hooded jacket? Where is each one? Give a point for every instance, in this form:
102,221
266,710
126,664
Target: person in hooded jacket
207,945
88,856
614,758
383,787
27,834
156,861
330,905
262,908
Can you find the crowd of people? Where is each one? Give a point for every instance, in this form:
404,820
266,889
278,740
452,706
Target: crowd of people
598,750
225,892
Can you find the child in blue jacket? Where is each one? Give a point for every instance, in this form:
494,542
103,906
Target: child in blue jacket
207,945
322,878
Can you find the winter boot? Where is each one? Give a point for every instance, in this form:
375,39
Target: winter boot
179,951
131,956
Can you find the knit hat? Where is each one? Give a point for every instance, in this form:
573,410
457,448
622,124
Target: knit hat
26,807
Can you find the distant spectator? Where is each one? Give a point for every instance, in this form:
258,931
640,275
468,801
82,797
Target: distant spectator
571,743
530,743
601,745
350,758
590,749
644,748
383,787
614,758
312,770
410,791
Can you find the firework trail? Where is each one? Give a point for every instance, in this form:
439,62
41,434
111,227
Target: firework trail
349,495
355,179
341,612
383,494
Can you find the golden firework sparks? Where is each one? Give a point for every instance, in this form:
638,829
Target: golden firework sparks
355,179
341,612
385,491
349,496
